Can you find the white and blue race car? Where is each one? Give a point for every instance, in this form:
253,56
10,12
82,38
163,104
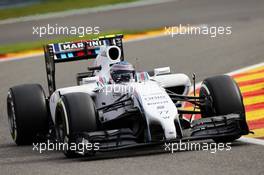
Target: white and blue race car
117,107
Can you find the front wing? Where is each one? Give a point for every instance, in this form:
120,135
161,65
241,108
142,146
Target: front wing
201,129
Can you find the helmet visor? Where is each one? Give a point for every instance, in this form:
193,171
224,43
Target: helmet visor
122,76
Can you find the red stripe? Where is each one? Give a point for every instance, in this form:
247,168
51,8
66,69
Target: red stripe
188,116
254,106
3,56
256,124
253,93
142,75
248,73
250,82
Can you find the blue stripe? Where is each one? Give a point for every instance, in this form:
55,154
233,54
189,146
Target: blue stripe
63,56
56,47
97,50
70,55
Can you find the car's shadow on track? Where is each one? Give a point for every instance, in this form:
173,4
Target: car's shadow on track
12,154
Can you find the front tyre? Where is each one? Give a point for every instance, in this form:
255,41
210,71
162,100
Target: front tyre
75,113
27,113
223,97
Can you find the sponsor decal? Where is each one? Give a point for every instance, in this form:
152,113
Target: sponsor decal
81,45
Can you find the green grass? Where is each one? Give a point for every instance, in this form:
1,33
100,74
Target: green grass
24,46
54,6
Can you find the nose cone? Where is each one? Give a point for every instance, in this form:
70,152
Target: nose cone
158,107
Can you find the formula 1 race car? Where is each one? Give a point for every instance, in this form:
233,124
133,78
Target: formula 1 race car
117,107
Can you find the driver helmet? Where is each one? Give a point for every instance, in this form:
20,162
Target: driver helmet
122,72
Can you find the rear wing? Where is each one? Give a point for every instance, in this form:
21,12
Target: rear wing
73,51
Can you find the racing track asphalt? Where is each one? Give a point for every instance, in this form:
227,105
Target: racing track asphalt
201,54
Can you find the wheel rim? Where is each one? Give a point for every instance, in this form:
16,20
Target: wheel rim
61,133
208,110
61,130
11,117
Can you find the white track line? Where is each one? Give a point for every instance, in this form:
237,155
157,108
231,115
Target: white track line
245,69
198,85
251,140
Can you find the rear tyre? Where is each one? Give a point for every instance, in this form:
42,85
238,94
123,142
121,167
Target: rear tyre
75,113
223,97
27,113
